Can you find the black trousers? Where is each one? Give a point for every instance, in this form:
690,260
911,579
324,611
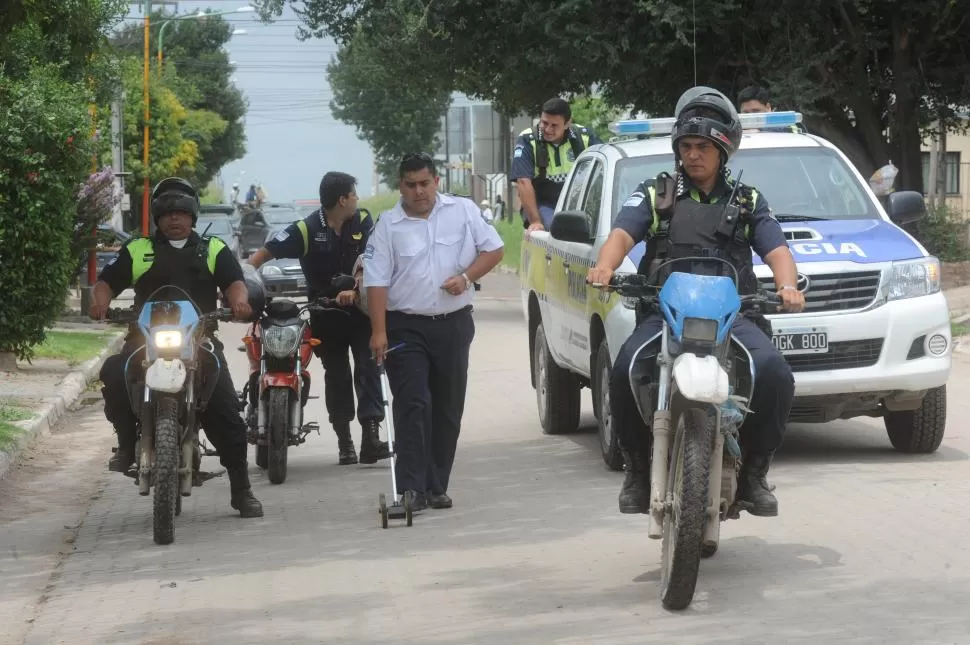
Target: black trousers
340,335
220,420
774,389
428,375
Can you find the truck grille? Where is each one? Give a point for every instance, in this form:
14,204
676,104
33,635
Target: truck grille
293,269
842,355
836,291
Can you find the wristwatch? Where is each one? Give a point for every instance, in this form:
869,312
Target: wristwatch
788,287
468,281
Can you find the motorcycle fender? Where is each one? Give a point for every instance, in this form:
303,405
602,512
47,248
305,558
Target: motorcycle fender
166,376
701,379
287,379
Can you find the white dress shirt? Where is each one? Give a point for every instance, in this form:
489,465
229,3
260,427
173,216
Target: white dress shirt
413,257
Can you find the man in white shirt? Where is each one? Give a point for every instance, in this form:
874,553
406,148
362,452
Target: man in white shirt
419,266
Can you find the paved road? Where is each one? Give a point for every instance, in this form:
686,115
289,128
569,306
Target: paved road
868,547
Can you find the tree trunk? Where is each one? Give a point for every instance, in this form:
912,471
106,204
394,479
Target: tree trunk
905,134
858,154
939,185
8,362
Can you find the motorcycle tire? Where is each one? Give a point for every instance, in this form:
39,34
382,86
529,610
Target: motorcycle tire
688,479
166,493
277,422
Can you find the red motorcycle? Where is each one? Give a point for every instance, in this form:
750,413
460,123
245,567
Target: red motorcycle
279,345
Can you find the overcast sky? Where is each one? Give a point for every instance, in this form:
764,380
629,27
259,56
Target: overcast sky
291,136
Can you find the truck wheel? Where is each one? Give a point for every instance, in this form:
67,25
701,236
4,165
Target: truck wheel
609,444
920,430
557,391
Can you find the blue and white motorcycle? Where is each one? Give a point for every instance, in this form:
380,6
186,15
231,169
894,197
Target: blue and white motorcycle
178,372
692,382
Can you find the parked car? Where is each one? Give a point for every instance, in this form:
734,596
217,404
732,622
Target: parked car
256,223
283,277
218,225
227,210
110,241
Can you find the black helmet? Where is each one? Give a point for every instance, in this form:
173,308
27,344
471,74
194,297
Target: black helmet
704,112
175,194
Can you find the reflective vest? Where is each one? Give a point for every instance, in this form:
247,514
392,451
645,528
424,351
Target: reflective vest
691,228
320,261
550,173
191,268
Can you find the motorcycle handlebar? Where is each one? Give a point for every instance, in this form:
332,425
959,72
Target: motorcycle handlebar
635,285
326,304
129,315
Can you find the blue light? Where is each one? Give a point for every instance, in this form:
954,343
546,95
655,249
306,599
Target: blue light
664,126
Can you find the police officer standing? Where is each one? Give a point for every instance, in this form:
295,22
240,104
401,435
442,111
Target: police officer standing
176,255
543,157
755,99
328,243
684,216
419,267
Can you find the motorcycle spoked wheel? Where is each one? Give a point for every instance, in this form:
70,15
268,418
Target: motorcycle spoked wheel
166,490
683,528
277,434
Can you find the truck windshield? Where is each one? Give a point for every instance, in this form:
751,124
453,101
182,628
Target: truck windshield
800,184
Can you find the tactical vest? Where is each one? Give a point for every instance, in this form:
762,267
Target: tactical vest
689,228
321,260
550,176
192,268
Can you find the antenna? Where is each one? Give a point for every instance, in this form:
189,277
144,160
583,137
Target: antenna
693,11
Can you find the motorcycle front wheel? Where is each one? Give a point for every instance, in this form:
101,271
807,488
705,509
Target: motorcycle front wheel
689,475
166,494
277,434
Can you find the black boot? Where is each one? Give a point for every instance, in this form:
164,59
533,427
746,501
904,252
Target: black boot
635,494
753,488
372,449
124,456
242,498
345,443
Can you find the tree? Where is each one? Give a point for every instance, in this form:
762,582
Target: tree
395,114
196,68
41,160
595,113
172,152
867,74
94,199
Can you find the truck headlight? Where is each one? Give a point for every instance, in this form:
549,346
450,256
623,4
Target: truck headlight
913,278
169,339
271,269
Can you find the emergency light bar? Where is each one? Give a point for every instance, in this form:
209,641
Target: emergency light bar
664,126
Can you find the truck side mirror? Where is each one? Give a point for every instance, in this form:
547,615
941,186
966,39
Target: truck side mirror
572,226
905,206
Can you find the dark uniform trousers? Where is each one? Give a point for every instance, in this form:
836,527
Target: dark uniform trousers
340,335
220,419
428,375
774,389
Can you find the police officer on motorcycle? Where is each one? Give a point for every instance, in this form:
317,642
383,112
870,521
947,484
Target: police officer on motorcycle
328,242
685,216
176,255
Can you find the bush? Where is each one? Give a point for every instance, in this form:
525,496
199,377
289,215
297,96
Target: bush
944,234
45,148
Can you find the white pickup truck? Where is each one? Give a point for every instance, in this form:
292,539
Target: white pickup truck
874,339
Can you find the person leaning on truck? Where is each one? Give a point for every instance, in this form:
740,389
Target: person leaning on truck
542,160
683,217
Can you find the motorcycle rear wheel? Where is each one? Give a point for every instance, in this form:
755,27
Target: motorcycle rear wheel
166,493
683,529
277,422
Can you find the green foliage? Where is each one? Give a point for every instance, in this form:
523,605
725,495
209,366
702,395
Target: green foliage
42,161
944,234
595,113
395,113
196,68
887,62
95,201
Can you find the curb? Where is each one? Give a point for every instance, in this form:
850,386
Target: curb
69,390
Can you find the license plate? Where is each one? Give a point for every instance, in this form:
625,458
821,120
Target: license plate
801,341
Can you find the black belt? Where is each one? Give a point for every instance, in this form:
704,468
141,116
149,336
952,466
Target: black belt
450,314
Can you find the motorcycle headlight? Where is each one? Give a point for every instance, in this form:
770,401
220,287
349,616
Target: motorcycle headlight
281,342
913,278
168,339
270,269
699,329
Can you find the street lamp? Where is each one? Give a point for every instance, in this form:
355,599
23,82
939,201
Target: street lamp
146,196
198,14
